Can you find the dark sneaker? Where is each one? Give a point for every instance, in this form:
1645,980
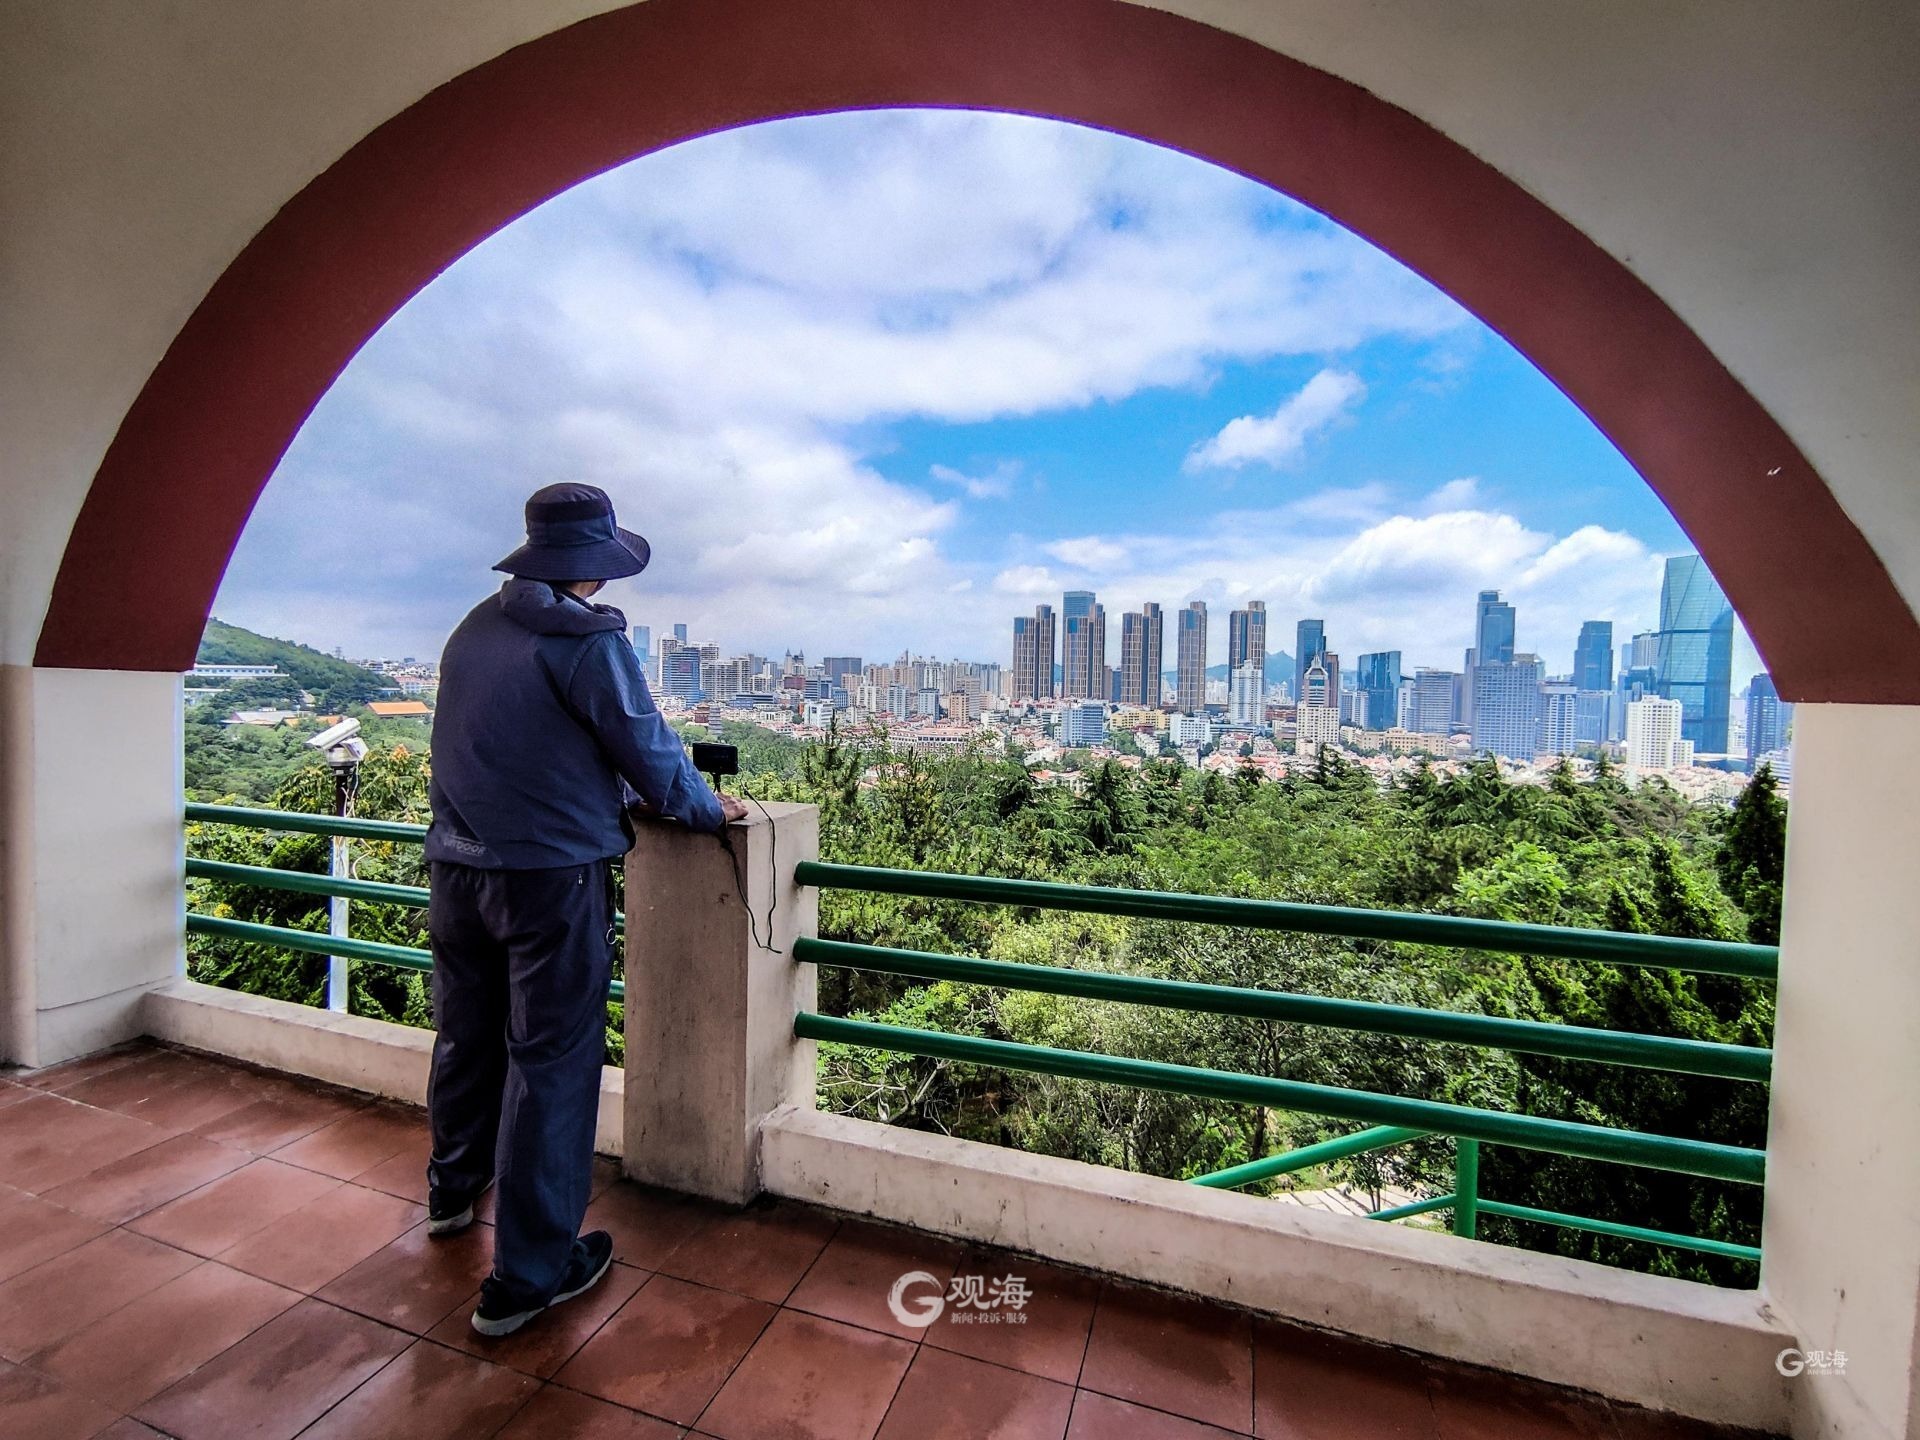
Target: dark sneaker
449,1214
500,1313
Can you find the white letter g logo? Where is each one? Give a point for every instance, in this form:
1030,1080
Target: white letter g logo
925,1309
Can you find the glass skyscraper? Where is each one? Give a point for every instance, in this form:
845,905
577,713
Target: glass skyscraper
1378,680
1593,656
1309,644
1492,630
1084,646
1694,662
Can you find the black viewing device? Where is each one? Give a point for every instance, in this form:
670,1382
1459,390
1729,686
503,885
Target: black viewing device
713,761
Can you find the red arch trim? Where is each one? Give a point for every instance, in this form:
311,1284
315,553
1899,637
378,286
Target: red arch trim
182,474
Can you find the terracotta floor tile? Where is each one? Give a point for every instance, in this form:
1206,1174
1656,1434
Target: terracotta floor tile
143,1347
413,1283
646,1224
49,1140
322,1240
218,1216
46,1304
167,1089
761,1252
1481,1405
857,1271
351,1146
1170,1352
32,1230
12,1094
549,1342
429,1393
278,1380
1051,1341
951,1397
128,1428
809,1379
1101,1417
1310,1386
404,1174
37,1407
606,1172
285,1114
85,1067
669,1349
122,1189
556,1414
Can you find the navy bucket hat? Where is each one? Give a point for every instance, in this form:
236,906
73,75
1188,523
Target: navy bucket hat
571,536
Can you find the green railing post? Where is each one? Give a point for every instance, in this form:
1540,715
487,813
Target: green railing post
1466,1187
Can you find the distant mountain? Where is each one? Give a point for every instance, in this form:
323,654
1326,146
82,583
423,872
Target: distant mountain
224,644
1279,670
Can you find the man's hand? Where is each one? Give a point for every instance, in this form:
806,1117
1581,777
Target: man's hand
732,808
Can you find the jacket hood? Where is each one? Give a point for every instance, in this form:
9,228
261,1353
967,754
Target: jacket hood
537,606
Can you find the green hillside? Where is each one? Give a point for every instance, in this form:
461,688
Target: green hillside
335,683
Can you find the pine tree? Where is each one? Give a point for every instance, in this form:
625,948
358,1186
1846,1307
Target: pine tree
1753,855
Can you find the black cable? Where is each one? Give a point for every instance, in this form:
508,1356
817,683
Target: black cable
738,866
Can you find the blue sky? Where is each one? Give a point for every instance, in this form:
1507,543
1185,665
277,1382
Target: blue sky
878,382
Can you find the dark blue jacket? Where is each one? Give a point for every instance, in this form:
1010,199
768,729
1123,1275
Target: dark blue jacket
543,714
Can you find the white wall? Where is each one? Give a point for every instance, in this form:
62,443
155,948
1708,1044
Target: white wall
92,855
1842,1232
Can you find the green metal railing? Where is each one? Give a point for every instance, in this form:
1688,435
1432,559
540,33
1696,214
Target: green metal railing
1393,1120
262,877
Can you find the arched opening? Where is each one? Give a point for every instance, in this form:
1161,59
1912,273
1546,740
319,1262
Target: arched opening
344,254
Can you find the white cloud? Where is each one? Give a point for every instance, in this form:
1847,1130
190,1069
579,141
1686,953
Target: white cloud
720,336
1275,439
996,484
1383,581
1088,552
1461,494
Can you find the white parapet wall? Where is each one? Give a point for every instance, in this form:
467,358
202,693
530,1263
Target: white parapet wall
373,1056
1665,1344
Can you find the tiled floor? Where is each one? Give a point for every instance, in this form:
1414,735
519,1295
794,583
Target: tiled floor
192,1249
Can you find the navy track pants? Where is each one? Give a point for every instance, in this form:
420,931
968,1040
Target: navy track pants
521,961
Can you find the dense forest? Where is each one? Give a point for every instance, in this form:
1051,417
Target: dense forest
1593,853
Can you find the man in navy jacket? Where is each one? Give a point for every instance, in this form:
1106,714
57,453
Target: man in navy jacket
543,736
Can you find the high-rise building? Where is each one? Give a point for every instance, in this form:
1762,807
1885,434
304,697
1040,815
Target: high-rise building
1559,719
1083,724
1033,655
839,667
1379,682
1309,644
1768,717
1316,686
1314,726
1506,707
1493,629
1593,716
1653,734
680,634
1083,646
1434,697
1695,660
1247,695
1247,638
643,644
1190,678
1140,652
680,672
1593,656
